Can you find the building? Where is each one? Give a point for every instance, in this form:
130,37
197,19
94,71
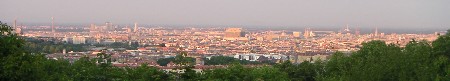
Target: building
376,32
19,31
109,26
234,33
53,27
199,61
128,29
67,39
296,34
347,30
357,32
79,40
303,58
135,27
308,33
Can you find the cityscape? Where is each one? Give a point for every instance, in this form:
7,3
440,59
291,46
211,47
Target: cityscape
224,40
239,43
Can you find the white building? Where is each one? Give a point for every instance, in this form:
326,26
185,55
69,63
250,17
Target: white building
79,40
255,57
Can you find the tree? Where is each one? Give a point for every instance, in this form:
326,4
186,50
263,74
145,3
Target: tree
182,60
145,73
441,53
220,60
269,74
237,72
441,45
191,75
10,43
304,71
179,59
186,64
164,61
11,56
379,61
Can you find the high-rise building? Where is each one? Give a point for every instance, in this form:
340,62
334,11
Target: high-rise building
17,29
234,33
92,28
296,34
109,26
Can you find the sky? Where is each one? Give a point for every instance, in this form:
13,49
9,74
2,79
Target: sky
289,13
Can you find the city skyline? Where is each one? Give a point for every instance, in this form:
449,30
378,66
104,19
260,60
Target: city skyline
382,14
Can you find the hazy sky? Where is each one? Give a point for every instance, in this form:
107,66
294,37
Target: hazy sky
364,13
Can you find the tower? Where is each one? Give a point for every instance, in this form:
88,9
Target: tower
357,32
15,23
128,29
376,31
347,29
135,27
16,28
311,33
53,27
308,33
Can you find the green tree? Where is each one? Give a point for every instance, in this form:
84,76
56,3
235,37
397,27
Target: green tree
441,55
379,61
145,73
237,72
181,59
11,54
304,71
164,61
